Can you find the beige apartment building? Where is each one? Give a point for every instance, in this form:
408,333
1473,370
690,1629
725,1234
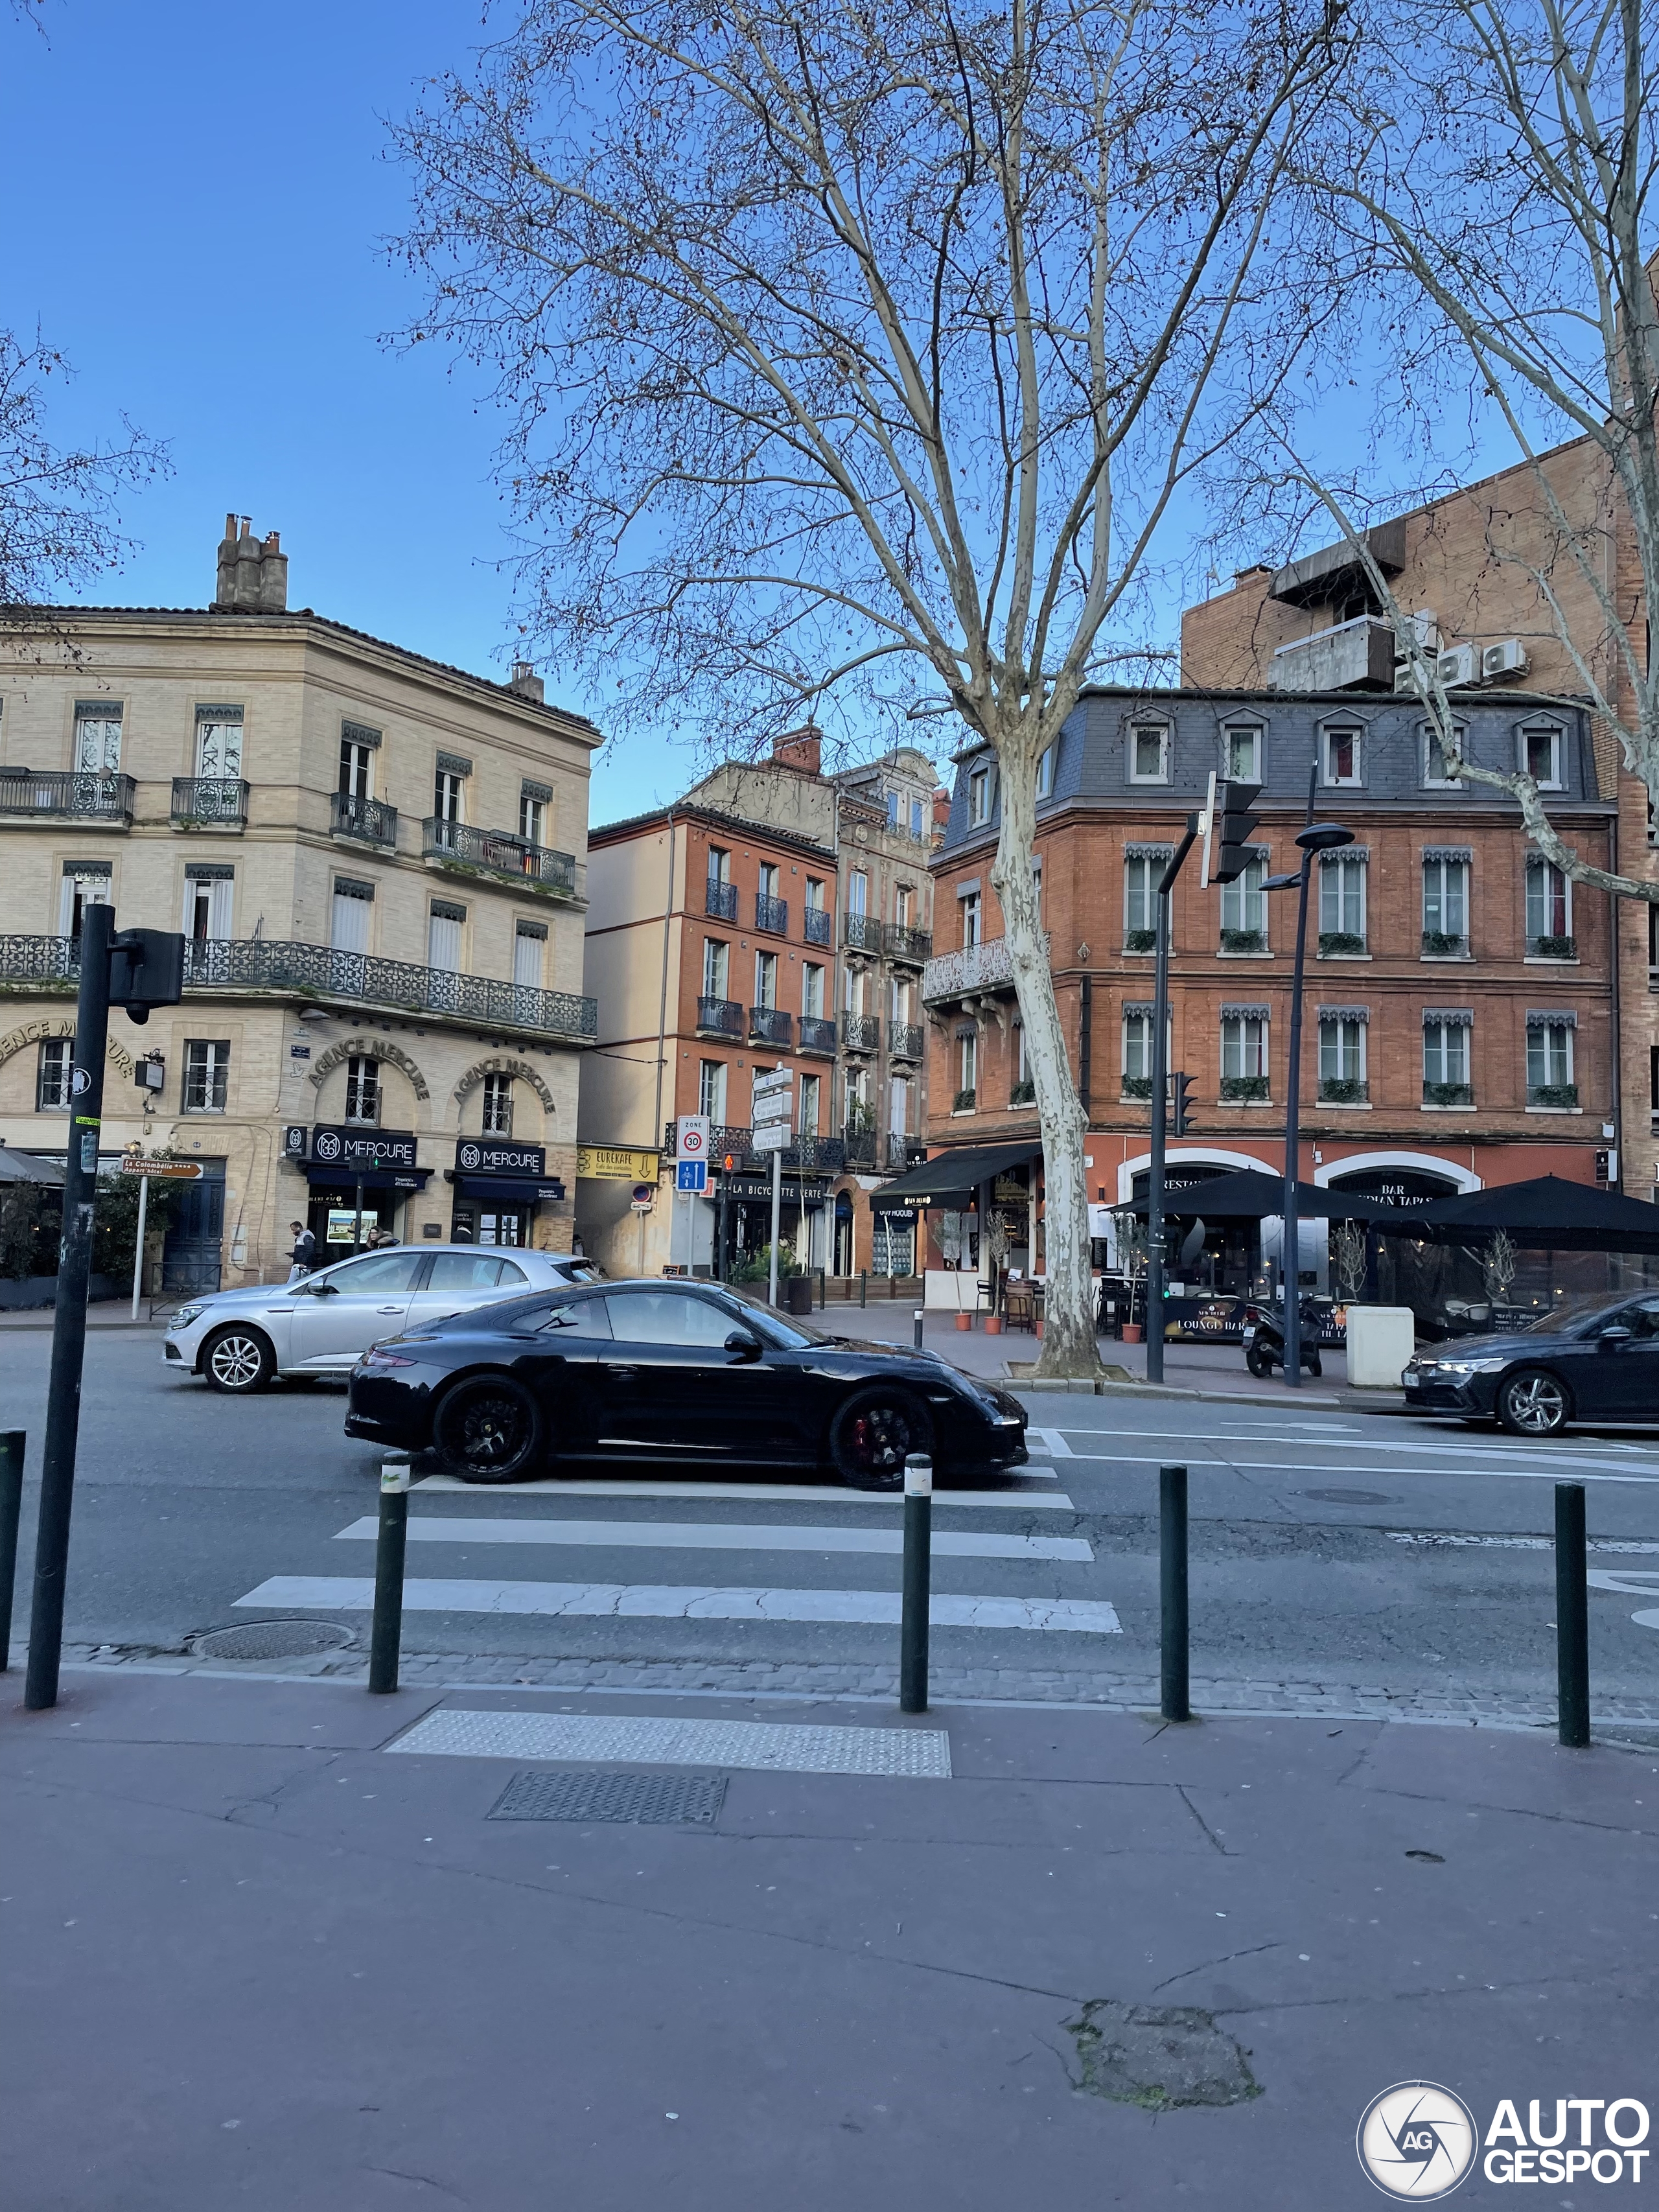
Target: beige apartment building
378,865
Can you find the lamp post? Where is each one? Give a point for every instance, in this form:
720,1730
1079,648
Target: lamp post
1318,837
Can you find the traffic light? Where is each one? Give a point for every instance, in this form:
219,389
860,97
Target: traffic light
146,969
1181,1103
1233,804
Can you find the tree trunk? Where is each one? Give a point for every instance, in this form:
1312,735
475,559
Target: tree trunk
1069,1343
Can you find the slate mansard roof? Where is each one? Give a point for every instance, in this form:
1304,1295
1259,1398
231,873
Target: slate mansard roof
1093,766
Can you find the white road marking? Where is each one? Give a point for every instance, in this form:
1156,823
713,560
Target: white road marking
721,1536
1435,1538
1228,1465
1054,1440
1465,1450
796,1493
1634,1581
764,1746
646,1602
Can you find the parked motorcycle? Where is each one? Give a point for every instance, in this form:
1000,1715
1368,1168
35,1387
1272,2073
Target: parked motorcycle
1264,1336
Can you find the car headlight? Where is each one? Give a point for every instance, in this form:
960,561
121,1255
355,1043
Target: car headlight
1471,1366
185,1315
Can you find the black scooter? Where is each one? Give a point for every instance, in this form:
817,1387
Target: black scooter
1264,1339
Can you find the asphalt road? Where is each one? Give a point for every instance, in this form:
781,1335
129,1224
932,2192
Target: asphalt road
1340,1549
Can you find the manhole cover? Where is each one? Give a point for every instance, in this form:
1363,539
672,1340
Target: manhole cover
1158,2057
273,1639
1347,1496
598,1795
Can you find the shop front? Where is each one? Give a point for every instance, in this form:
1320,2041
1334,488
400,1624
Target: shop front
359,1180
743,1222
498,1188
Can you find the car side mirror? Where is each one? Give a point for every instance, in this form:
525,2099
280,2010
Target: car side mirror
1616,1336
322,1290
745,1343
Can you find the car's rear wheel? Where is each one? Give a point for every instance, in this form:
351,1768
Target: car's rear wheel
873,1432
488,1430
1532,1403
238,1360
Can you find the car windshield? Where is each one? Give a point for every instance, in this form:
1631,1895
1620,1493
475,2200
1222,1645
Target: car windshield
791,1335
1570,1311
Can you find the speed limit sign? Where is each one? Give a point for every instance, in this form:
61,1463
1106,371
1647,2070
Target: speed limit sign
692,1137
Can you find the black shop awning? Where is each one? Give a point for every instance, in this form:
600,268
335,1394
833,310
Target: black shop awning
321,1178
508,1190
956,1174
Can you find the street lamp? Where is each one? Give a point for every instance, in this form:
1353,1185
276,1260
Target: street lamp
1317,837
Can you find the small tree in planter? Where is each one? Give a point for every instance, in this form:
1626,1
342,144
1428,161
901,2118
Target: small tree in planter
1132,1256
1499,1262
1348,1253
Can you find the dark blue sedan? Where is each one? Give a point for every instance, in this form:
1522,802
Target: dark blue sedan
1596,1361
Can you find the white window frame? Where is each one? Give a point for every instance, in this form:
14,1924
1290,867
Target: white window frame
1553,1036
1340,873
362,1085
1244,897
1556,735
1231,732
210,901
1327,777
1045,773
535,936
532,819
99,754
811,1104
357,771
812,989
1539,866
716,968
495,1105
207,1073
972,921
711,1089
1137,1045
1445,869
1137,732
448,790
219,730
980,799
968,1063
53,1071
766,980
1430,739
1348,1032
1252,1040
1443,1032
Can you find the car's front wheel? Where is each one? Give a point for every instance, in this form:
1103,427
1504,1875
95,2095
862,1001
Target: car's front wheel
488,1430
872,1434
238,1360
1532,1403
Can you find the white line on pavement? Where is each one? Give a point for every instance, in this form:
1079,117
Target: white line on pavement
722,1536
646,1601
1053,1440
1436,1539
794,1493
1473,1464
639,1740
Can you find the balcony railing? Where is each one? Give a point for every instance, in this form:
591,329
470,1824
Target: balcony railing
770,1025
772,914
457,845
203,799
860,1032
370,819
816,1034
719,1017
905,1040
984,967
904,943
816,1155
72,795
860,1147
861,932
231,965
721,900
815,925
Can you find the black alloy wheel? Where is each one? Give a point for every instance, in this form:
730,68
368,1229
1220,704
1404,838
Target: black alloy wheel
1532,1403
238,1360
871,1435
488,1430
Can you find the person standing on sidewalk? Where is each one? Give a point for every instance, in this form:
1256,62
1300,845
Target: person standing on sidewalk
304,1254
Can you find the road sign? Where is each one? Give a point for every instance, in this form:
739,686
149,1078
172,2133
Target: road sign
692,1137
183,1171
777,1078
769,1137
691,1175
644,1194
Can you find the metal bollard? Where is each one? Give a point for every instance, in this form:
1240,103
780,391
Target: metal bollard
822,1290
11,1505
918,1328
1172,1591
387,1634
1571,1616
918,1578
864,1287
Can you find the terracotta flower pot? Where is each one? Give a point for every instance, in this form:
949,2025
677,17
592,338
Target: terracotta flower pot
964,1321
1132,1332
994,1324
1038,1327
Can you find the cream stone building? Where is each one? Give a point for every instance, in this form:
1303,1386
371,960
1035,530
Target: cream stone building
379,866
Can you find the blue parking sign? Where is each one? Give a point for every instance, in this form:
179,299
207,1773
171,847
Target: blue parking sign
691,1175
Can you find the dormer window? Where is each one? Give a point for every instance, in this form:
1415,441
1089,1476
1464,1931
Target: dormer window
1149,753
1045,775
1240,753
1540,754
979,797
1340,761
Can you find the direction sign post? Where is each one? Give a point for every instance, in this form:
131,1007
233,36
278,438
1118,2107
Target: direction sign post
774,1110
173,1171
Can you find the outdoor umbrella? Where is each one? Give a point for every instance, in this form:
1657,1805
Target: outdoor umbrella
1546,1211
1250,1197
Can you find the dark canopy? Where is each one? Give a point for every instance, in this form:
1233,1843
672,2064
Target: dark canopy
959,1173
1547,1211
1247,1197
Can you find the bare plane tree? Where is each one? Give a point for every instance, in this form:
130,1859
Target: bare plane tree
861,350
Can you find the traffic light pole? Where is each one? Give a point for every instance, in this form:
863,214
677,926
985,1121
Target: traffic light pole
1166,884
1290,1254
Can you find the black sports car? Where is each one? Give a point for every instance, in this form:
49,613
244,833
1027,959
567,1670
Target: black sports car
1597,1360
671,1371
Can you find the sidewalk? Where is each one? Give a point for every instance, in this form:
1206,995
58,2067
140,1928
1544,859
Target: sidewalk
254,1959
108,1313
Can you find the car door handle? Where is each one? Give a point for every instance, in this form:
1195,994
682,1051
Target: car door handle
624,1374
388,1309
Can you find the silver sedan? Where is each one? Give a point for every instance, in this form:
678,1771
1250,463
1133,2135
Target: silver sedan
240,1340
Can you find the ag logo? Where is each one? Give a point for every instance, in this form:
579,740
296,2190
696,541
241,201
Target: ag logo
470,1157
1417,2140
327,1145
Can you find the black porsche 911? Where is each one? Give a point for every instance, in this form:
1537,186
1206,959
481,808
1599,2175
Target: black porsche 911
671,1371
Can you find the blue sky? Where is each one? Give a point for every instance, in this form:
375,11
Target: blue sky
201,196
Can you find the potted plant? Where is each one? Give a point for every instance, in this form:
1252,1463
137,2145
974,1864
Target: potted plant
996,1247
1131,1255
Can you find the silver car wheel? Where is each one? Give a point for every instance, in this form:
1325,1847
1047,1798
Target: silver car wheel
237,1362
1536,1404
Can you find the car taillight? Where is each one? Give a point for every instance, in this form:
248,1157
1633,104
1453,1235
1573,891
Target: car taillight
376,1358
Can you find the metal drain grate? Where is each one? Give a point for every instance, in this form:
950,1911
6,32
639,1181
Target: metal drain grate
596,1794
273,1639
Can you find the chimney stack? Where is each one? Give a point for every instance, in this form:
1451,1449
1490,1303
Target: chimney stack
525,681
799,749
252,573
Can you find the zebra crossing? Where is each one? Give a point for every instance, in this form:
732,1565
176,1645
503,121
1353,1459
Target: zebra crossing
859,1531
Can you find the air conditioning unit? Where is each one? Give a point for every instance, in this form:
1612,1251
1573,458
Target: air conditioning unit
1459,664
1507,658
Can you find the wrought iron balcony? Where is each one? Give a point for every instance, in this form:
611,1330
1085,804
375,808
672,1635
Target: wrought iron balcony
984,967
467,851
815,925
860,1032
231,966
861,932
818,1034
904,943
200,799
772,914
76,795
370,819
860,1147
770,1025
719,1017
721,900
814,1155
905,1040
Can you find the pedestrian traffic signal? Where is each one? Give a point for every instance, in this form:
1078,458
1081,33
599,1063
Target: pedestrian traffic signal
1234,802
146,969
1181,1103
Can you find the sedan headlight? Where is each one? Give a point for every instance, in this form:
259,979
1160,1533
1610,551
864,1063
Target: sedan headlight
1471,1366
185,1315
